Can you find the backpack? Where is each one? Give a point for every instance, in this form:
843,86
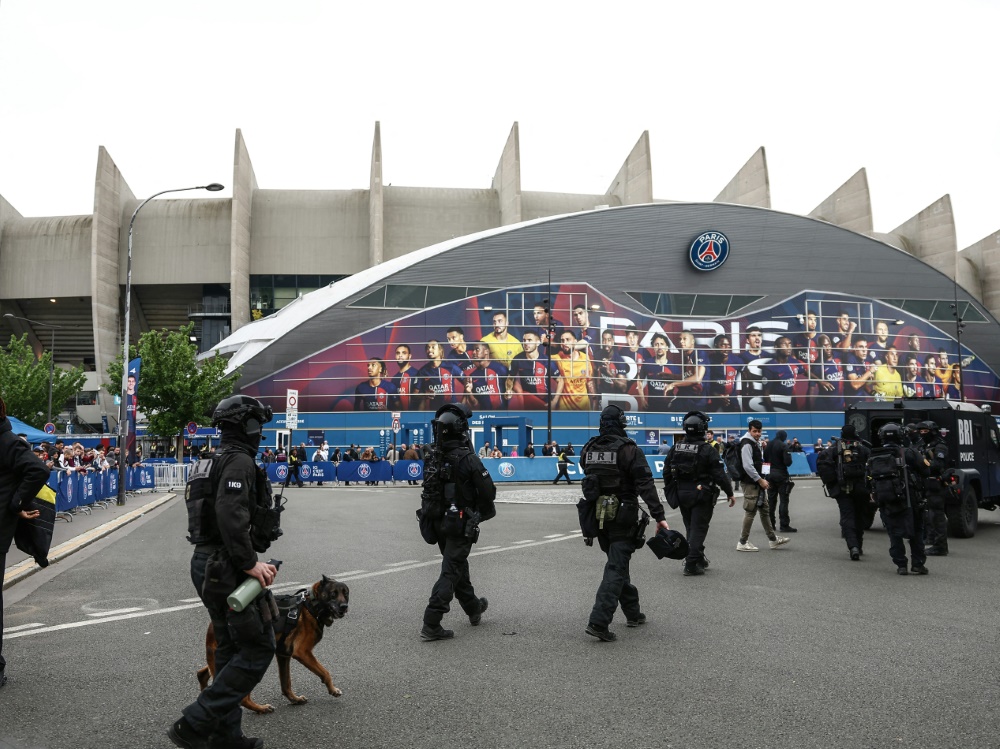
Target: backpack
731,457
887,478
850,469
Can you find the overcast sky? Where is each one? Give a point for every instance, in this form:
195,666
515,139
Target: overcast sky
906,89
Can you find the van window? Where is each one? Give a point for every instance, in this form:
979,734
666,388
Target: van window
994,439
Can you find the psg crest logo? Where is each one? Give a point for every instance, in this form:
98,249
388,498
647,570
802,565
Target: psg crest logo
306,471
281,471
364,470
709,250
506,470
413,469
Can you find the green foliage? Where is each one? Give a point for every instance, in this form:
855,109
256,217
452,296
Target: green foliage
173,388
24,382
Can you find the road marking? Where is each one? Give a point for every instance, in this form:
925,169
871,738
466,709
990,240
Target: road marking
189,600
350,572
19,627
400,564
344,578
526,541
115,612
556,535
88,622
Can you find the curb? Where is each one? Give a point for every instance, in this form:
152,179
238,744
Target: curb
27,568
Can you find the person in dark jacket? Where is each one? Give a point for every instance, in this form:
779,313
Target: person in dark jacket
225,494
563,463
22,475
842,468
777,454
465,487
693,476
935,452
613,464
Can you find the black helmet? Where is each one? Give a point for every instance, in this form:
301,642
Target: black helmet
247,413
890,432
613,417
451,420
668,543
929,425
695,424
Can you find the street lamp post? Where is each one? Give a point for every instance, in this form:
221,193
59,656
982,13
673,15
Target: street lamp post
122,412
959,324
52,357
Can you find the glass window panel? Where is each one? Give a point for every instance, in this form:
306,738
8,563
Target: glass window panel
711,304
410,297
285,281
443,294
681,304
86,398
739,302
971,314
375,299
476,290
307,281
920,307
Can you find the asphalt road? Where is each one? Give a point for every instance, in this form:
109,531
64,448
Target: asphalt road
798,647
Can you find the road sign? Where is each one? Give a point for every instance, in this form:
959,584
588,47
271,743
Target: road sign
50,428
396,425
291,409
192,428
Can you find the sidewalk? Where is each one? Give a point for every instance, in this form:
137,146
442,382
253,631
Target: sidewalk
85,529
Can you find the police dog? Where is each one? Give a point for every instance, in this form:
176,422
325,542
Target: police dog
326,601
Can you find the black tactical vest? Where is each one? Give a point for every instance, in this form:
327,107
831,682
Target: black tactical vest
684,461
601,457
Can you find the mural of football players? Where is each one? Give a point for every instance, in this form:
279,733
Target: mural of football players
912,374
484,385
805,346
930,386
611,367
373,394
544,322
913,345
950,374
635,356
751,375
780,374
440,381
405,379
504,346
690,387
656,376
842,336
722,376
888,378
878,347
575,390
458,353
586,336
830,389
859,370
529,376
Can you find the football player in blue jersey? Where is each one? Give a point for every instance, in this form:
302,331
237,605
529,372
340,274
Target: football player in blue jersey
780,374
374,393
485,384
439,381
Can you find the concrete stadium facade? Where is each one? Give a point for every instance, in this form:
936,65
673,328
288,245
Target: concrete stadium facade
204,259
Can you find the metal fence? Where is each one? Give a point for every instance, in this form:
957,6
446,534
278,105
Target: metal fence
170,475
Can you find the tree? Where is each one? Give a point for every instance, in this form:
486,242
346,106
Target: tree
24,382
173,388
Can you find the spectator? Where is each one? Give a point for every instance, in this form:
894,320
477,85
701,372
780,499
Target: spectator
485,451
335,456
411,454
755,487
569,449
496,453
796,446
513,452
321,455
664,446
529,451
268,456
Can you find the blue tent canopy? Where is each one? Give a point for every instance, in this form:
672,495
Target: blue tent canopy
34,435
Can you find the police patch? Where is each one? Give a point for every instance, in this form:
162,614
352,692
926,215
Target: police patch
602,457
234,487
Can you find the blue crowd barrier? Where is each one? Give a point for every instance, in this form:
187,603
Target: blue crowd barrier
311,471
408,470
362,470
84,489
528,469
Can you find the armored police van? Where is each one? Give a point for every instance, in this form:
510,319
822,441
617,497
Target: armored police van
973,450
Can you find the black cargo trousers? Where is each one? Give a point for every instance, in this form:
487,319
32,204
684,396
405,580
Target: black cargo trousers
857,511
245,648
454,581
936,520
617,540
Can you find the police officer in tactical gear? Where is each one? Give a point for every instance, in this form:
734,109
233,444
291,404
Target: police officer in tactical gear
231,518
842,467
896,476
458,494
692,478
779,483
616,474
935,451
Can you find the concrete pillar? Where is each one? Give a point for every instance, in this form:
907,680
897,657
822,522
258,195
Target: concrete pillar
850,205
108,247
751,185
634,182
930,236
7,213
985,256
376,203
507,180
244,187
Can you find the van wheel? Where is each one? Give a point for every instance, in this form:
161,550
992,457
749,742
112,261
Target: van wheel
963,519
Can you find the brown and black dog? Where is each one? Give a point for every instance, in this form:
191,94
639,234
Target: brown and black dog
327,600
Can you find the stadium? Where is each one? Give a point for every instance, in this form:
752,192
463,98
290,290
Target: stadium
341,296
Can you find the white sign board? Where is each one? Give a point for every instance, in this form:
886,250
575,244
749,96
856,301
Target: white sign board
291,409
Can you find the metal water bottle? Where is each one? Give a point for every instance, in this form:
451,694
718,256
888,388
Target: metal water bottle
248,590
